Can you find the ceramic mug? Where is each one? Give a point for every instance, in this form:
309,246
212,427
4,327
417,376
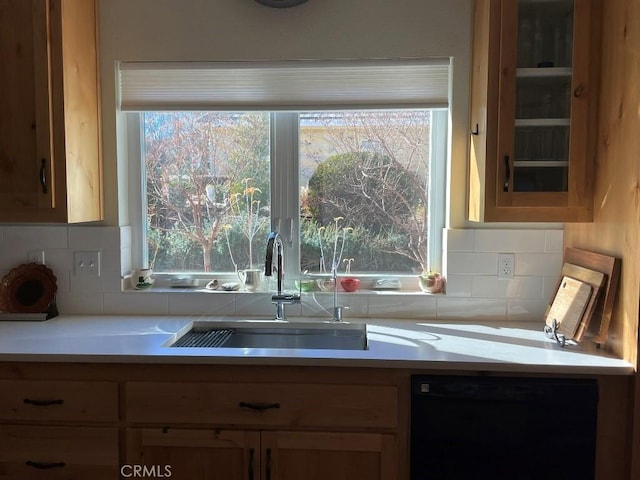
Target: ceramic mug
250,278
142,278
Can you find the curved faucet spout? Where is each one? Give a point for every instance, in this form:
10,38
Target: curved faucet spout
279,298
274,239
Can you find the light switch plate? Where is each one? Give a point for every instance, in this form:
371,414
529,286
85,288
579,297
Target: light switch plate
86,264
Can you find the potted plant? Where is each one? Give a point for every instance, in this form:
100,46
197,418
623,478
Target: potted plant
430,281
339,239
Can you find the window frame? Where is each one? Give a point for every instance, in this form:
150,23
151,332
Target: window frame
285,188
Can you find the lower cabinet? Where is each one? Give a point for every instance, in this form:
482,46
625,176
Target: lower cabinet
261,455
324,455
69,453
188,422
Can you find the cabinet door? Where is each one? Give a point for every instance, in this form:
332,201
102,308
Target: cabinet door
537,132
322,455
50,135
202,454
25,154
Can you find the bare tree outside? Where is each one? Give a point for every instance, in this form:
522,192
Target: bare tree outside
372,169
197,166
208,188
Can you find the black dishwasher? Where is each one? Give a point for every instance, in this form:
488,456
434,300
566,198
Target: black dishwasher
502,428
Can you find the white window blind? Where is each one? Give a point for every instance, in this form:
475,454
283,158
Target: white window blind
288,85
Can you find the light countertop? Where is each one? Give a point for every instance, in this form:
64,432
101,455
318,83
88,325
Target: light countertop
485,346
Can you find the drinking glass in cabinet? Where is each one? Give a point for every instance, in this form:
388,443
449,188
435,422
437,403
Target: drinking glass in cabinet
545,33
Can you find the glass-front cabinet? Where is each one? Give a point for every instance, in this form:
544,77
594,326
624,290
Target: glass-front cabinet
533,110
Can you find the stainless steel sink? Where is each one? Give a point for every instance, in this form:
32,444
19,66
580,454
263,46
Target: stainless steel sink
304,335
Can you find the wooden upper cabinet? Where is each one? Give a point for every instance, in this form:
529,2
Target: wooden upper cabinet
534,94
50,132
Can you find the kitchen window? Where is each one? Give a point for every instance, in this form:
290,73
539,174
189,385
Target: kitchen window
215,180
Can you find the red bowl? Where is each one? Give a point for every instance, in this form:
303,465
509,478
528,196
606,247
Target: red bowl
350,284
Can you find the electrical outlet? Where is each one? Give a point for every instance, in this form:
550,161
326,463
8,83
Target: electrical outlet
506,265
86,264
36,256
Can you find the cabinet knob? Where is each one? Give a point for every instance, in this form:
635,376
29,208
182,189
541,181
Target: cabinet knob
578,92
475,131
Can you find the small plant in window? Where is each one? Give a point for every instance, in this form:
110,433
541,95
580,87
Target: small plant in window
245,207
338,236
431,281
347,262
226,229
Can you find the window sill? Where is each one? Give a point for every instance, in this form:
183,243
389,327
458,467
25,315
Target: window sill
202,290
196,283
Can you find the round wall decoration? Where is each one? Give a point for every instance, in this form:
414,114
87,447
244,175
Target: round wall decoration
28,288
281,3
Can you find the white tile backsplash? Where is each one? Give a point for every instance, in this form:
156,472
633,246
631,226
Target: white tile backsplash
509,241
451,308
553,241
93,238
472,275
470,256
459,285
80,303
460,240
136,303
25,238
402,306
526,309
481,263
318,304
206,303
542,264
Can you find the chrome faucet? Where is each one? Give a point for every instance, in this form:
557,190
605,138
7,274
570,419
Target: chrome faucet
280,299
337,309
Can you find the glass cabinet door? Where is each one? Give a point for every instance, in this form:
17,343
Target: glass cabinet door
542,97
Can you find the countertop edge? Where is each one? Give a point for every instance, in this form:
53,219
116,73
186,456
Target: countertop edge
429,344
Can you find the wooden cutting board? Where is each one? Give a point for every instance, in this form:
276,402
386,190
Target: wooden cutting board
593,278
598,325
569,305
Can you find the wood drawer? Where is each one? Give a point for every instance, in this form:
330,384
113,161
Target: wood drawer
58,401
283,404
70,453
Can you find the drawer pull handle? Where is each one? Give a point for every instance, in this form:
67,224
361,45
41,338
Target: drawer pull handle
44,465
42,403
251,453
261,407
